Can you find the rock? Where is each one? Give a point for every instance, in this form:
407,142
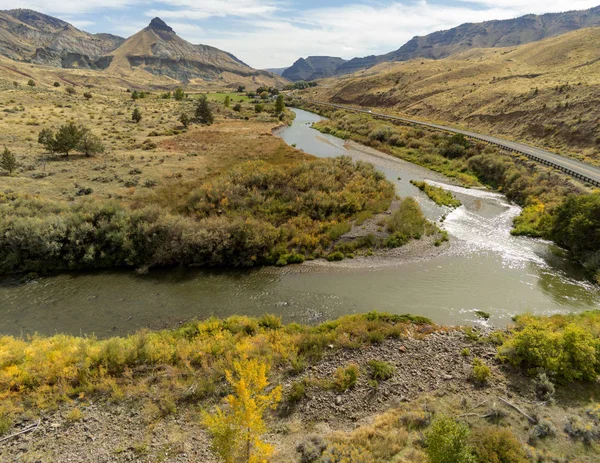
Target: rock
448,377
338,400
402,348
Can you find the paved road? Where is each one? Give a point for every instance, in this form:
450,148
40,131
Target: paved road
577,169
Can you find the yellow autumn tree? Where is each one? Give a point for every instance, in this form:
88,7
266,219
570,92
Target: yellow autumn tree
237,428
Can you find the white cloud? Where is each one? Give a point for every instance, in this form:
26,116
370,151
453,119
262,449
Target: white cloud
68,7
203,9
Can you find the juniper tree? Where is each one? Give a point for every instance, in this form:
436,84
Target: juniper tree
184,119
90,144
279,104
68,138
204,114
8,161
46,138
136,115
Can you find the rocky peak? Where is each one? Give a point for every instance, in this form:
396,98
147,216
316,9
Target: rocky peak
159,25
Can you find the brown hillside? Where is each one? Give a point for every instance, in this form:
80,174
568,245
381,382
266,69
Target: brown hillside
546,93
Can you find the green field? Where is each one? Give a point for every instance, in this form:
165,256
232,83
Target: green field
220,97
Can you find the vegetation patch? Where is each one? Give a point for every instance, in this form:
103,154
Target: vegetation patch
254,214
437,194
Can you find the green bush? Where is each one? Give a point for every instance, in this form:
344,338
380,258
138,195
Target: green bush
565,346
297,392
380,370
335,256
136,115
497,445
408,220
346,377
447,441
8,161
179,94
481,372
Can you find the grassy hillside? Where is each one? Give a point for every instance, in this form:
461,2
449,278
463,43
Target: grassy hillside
545,93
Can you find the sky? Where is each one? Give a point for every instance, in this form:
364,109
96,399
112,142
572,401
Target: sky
275,33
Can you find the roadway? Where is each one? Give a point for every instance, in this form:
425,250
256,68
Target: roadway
573,167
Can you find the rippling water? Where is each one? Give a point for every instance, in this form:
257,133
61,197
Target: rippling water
484,268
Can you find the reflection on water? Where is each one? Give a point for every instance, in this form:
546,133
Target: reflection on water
485,268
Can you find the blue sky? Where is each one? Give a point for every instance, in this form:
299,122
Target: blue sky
274,33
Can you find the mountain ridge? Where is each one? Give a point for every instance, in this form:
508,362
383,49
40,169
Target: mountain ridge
313,68
32,37
488,34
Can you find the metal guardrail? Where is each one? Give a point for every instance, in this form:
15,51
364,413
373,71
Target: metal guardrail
548,162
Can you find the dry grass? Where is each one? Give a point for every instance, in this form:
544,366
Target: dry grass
132,166
546,93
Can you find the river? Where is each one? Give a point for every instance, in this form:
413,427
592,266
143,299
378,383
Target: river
483,268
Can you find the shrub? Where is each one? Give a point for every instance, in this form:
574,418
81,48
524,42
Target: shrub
455,146
227,101
561,345
576,428
346,377
415,420
57,84
136,115
87,95
237,107
408,220
71,90
542,430
8,161
259,108
311,449
74,415
279,104
497,445
342,452
269,321
184,119
335,256
204,114
380,370
46,138
481,372
380,134
90,144
179,94
31,83
447,441
297,392
544,388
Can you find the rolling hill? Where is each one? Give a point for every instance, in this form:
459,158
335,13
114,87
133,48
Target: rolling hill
489,34
546,93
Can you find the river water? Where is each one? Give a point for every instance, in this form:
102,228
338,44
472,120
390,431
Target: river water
483,268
